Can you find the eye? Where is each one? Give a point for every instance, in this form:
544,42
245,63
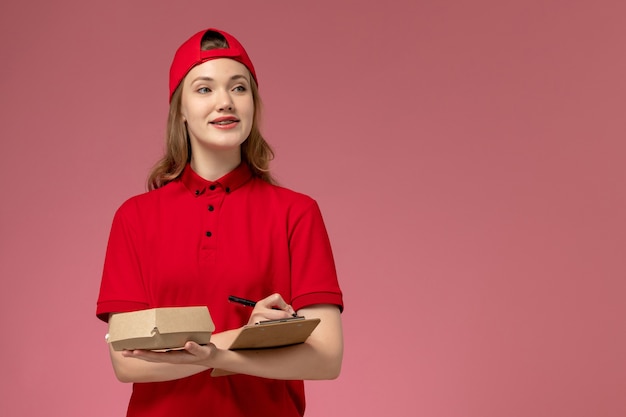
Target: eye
203,90
240,89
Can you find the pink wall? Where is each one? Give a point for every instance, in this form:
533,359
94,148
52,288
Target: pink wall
468,156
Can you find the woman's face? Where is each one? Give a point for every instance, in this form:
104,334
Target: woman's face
217,105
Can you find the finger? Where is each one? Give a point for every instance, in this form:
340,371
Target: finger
282,305
277,301
194,348
171,356
290,310
135,353
145,355
267,314
271,300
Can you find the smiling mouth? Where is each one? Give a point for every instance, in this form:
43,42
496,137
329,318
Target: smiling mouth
224,122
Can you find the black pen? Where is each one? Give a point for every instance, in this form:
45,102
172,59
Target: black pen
242,301
247,303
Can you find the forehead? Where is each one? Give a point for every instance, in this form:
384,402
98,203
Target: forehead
219,69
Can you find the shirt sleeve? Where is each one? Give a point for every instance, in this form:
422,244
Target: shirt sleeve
313,272
121,288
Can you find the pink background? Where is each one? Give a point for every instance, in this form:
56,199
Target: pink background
468,156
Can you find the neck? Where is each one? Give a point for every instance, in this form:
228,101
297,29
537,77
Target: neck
214,165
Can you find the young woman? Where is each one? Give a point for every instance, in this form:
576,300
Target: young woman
215,224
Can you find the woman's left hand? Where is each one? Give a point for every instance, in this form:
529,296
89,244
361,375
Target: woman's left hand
272,307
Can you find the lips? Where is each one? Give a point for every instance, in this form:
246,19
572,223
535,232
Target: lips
224,121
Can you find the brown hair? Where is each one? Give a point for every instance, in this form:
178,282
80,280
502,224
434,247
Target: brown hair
255,151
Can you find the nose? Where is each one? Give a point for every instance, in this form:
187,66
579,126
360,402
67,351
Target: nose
225,102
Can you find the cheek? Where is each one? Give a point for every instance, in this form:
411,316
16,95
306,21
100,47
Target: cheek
250,111
189,108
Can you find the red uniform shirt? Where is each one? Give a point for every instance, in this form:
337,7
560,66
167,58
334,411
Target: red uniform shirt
195,242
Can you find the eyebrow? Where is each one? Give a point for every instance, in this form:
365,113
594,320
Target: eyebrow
233,78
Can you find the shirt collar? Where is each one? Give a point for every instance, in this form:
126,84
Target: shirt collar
229,182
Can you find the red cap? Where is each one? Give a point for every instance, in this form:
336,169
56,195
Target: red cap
190,54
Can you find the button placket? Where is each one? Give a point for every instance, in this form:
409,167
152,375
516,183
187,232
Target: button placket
215,195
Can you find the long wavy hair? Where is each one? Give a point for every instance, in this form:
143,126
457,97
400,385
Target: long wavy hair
255,151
